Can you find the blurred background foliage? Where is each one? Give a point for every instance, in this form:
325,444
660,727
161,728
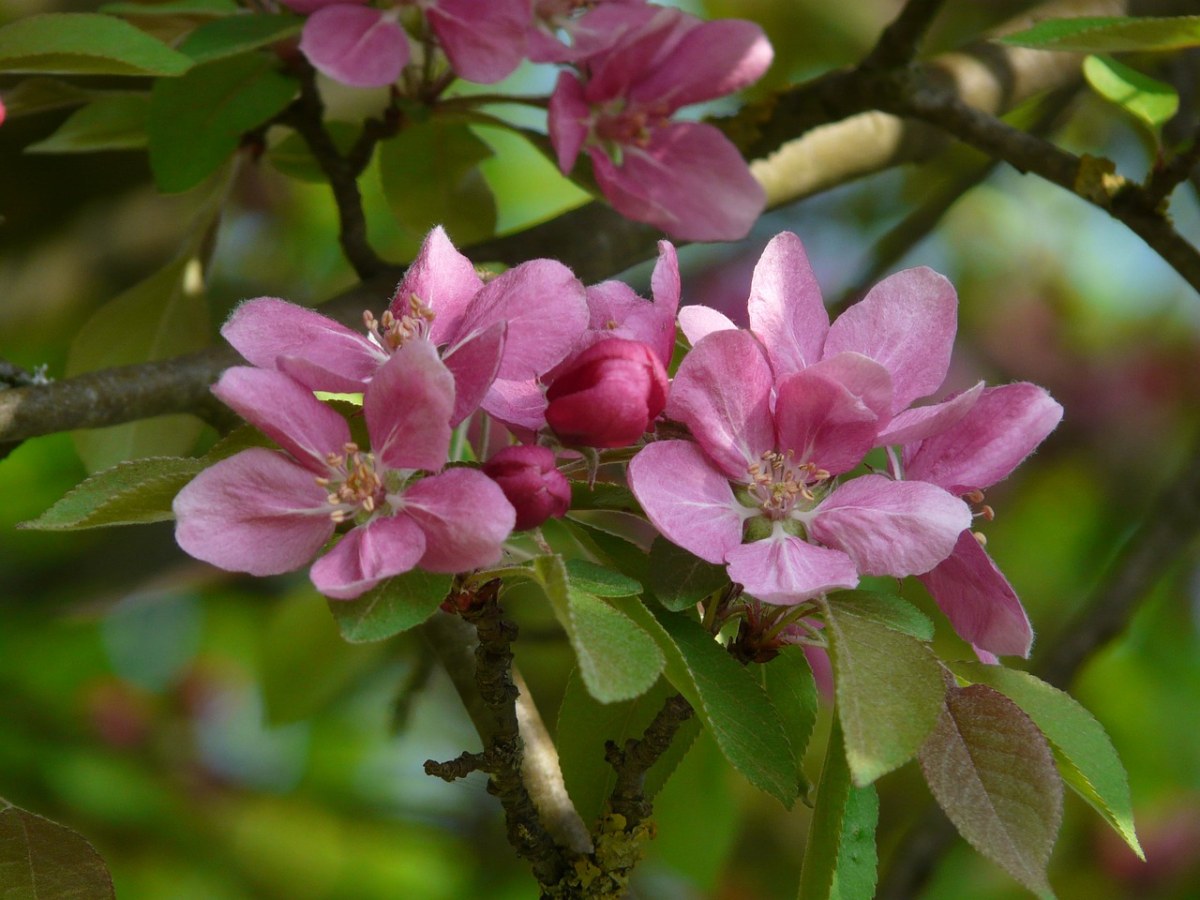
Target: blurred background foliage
215,740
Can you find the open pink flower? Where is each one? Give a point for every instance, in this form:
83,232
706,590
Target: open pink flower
683,177
265,512
757,489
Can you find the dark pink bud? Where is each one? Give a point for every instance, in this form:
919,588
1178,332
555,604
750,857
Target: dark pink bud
532,484
609,395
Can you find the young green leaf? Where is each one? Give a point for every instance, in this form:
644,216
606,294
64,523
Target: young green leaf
197,121
1113,34
789,684
602,582
237,34
729,701
680,580
42,860
991,770
396,605
430,176
1149,100
110,122
886,609
85,44
1086,758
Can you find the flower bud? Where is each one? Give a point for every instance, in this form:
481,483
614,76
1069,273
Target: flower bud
608,396
532,484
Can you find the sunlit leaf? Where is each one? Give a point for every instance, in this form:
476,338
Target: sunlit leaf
991,770
236,34
887,609
42,860
1150,100
110,122
85,44
1113,34
396,605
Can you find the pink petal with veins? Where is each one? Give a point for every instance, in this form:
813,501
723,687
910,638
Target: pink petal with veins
711,60
355,45
408,405
465,517
698,322
921,422
383,547
474,364
786,310
821,422
784,570
444,280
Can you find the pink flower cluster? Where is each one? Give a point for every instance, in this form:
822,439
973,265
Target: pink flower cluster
632,66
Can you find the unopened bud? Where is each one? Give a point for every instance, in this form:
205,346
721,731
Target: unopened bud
609,395
532,484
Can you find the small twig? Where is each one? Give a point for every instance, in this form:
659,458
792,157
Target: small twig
1163,180
898,44
632,762
459,767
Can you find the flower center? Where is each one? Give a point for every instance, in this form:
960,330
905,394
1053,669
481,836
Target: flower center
778,483
355,487
392,332
617,125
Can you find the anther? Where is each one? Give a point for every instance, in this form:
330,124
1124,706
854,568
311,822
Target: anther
980,538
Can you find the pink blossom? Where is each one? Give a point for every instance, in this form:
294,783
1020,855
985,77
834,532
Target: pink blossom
531,482
267,512
758,491
683,177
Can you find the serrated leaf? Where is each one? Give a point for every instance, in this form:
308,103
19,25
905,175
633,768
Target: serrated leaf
617,659
1111,34
728,699
889,691
1086,758
678,579
790,687
110,122
35,95
232,35
602,582
293,158
889,610
430,176
130,493
42,860
85,44
584,724
197,121
1146,98
396,605
197,8
992,772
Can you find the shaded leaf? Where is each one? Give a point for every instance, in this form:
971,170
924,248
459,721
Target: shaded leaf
889,691
1146,98
236,34
85,44
173,8
197,121
42,860
603,495
35,95
396,605
991,770
678,579
293,158
790,686
110,122
1113,34
602,582
1086,758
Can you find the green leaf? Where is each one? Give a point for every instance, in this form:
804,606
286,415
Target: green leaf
1110,34
130,493
396,605
1149,100
85,44
602,582
991,770
839,854
1086,758
584,724
680,580
110,122
430,176
236,34
889,691
617,659
205,8
789,684
42,860
603,495
293,158
728,699
197,121
35,95
888,610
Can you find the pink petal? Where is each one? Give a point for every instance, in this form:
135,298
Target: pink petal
546,311
320,353
868,381
722,393
285,412
623,45
784,570
615,310
712,59
821,422
444,280
569,120
474,364
688,180
687,499
905,323
255,512
666,288
355,45
518,403
483,41
384,547
979,602
786,310
698,322
890,527
1001,429
408,406
465,517
923,421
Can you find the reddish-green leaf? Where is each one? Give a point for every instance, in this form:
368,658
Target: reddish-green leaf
85,44
991,770
1113,34
42,860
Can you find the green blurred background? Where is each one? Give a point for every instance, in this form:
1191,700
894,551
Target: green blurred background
215,740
